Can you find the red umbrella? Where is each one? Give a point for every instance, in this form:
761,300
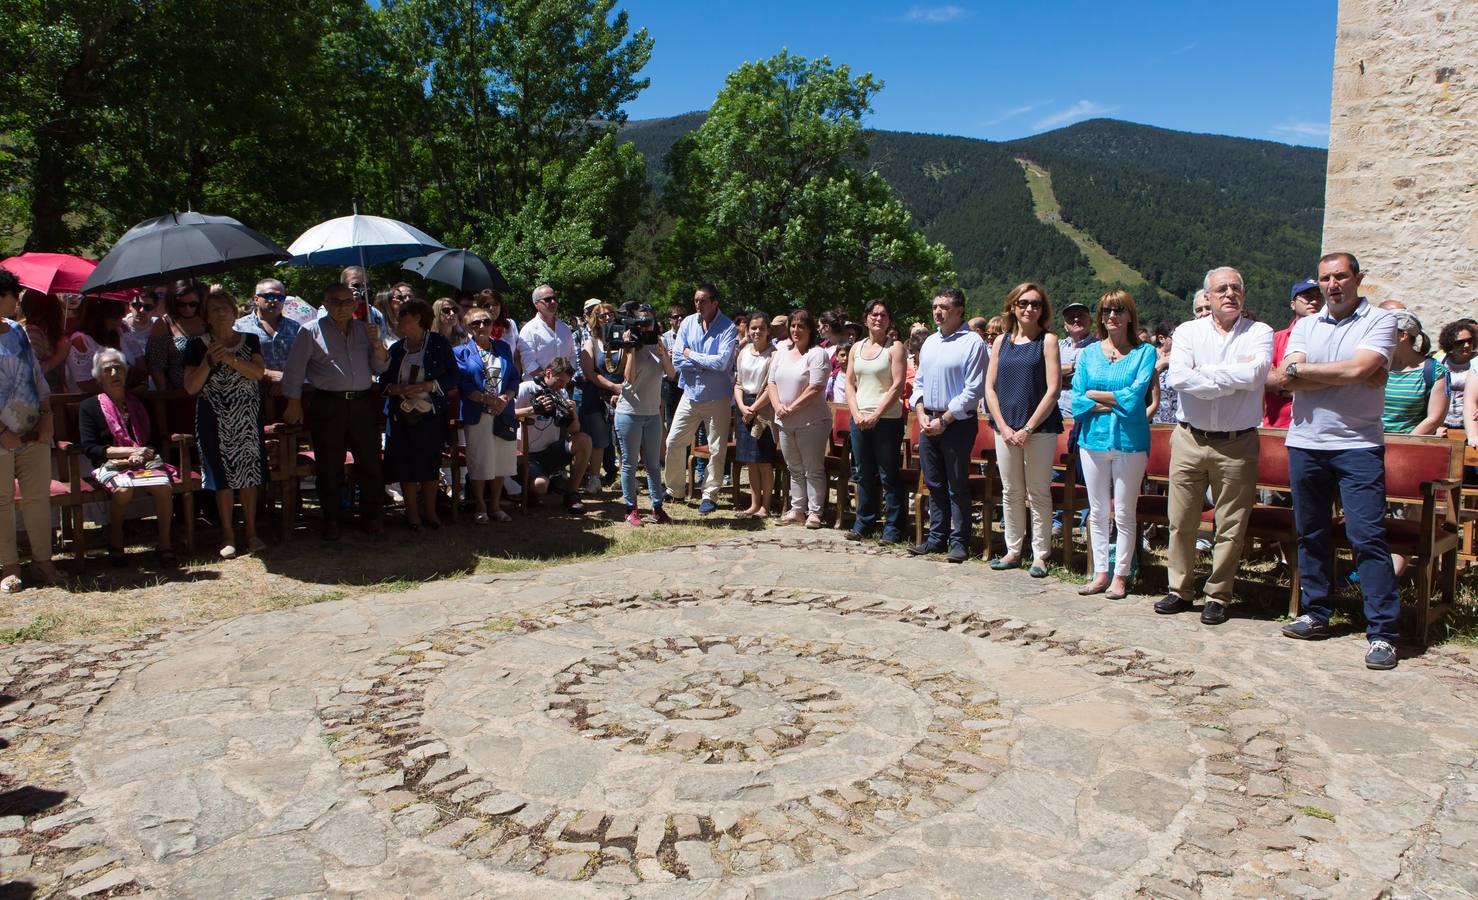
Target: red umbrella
55,273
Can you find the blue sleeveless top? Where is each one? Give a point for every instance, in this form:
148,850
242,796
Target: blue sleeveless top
1021,382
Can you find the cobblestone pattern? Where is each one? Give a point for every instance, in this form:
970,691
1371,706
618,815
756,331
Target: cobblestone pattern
1261,781
48,840
378,739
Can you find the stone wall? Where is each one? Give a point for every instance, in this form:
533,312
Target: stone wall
1402,186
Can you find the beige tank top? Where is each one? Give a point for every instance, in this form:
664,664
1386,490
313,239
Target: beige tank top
874,378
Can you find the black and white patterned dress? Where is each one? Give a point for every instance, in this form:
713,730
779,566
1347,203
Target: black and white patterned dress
228,420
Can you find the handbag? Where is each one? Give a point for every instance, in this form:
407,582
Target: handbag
504,429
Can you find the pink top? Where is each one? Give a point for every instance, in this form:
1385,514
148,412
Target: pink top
791,374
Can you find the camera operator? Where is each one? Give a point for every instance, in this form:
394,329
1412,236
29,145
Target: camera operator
549,415
639,410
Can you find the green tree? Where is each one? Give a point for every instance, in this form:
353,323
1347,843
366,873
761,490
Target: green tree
770,200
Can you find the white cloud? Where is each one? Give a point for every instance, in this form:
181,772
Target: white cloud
1083,109
1301,129
936,15
1186,49
1015,111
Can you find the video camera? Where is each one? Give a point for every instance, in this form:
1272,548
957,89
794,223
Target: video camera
637,318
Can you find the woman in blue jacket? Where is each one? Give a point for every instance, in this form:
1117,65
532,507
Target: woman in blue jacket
1110,383
488,384
421,372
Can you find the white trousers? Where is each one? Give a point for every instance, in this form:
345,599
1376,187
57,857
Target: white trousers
715,415
1026,478
804,451
1112,477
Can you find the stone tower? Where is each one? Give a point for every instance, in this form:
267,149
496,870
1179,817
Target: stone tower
1402,185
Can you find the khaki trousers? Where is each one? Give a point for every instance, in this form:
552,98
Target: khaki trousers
30,464
1229,469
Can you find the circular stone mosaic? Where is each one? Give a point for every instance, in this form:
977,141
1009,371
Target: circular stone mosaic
630,739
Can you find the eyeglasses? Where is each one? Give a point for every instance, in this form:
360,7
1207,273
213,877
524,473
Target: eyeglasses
1113,310
1029,304
272,298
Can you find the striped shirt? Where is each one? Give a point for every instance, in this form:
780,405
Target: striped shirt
1406,397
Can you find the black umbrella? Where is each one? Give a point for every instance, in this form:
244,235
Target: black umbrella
462,269
180,245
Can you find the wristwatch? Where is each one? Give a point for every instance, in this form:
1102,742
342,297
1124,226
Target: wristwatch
1292,370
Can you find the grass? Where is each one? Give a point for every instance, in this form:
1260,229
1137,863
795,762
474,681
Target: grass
1106,267
40,628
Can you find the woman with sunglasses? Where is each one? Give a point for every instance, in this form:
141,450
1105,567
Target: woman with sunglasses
447,319
504,328
1457,342
1022,381
1111,382
184,319
488,381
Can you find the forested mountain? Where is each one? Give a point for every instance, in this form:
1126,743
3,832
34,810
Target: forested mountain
1169,204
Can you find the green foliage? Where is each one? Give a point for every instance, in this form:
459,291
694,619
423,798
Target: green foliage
768,199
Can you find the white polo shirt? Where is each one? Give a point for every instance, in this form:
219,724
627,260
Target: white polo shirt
1346,416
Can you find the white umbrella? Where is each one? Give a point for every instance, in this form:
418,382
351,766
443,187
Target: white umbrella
360,241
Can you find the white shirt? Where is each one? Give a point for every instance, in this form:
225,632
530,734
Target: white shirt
1219,376
539,344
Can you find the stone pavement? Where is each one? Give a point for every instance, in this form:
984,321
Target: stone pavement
785,715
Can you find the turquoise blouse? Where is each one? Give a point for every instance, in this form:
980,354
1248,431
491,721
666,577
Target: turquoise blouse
1123,427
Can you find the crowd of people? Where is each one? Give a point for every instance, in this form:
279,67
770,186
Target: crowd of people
617,394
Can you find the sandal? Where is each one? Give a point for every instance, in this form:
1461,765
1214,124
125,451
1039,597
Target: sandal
500,516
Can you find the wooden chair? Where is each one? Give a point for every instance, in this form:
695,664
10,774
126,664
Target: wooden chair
701,451
838,462
1424,474
984,486
1067,495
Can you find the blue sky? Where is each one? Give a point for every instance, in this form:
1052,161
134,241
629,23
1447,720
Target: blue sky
1002,70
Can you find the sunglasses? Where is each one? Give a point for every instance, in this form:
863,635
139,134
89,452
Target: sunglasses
273,298
1029,304
1465,342
450,312
187,304
142,304
1112,310
479,323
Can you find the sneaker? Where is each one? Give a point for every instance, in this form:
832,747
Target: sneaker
660,516
707,507
1203,545
1213,613
1056,529
633,518
792,517
1173,603
1381,655
228,551
1306,628
812,521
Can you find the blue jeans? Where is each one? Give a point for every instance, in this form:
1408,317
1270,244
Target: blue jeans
946,462
875,453
1360,477
642,433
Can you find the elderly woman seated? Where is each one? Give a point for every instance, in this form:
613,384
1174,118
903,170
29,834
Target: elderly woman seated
114,431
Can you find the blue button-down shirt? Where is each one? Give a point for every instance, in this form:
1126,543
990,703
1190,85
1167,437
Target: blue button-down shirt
276,346
330,360
708,373
951,373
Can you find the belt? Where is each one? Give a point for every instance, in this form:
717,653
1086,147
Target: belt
343,395
1216,435
937,413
